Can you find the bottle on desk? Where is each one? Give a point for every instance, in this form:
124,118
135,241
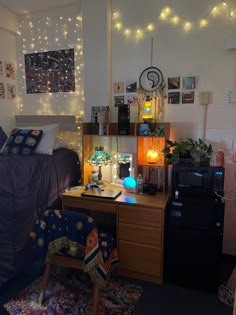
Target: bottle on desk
139,184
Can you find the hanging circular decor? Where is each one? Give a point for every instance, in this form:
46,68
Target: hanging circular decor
151,79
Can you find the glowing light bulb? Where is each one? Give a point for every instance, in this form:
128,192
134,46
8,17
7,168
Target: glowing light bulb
150,27
127,32
116,15
203,23
152,155
167,10
175,20
118,26
187,26
163,16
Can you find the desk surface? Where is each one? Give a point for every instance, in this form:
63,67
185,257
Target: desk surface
156,201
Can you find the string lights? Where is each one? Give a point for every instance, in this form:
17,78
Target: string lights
168,15
45,34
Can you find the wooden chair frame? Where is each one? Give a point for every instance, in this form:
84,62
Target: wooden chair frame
68,262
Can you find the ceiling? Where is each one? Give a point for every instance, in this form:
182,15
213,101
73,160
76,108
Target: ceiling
31,6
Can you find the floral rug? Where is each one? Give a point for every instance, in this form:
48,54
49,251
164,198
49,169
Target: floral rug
69,292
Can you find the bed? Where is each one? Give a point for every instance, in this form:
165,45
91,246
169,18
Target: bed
28,186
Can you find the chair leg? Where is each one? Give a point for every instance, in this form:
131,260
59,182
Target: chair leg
95,299
44,282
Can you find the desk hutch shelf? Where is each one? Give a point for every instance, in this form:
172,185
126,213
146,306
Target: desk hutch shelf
133,143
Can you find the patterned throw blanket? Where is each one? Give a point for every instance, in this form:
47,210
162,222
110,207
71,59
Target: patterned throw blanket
75,234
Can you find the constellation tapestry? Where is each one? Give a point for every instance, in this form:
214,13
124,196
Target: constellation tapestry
50,72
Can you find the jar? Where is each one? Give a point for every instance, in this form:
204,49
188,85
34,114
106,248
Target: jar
219,159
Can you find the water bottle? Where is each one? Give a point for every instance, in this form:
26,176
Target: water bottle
139,184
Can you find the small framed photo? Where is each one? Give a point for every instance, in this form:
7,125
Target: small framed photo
1,69
118,87
2,90
188,97
11,91
173,98
132,99
173,83
119,100
131,86
188,83
10,70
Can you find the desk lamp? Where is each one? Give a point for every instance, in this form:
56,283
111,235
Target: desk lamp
99,158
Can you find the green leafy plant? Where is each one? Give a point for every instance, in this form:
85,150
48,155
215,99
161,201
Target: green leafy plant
188,151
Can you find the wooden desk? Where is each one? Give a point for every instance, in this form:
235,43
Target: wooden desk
140,230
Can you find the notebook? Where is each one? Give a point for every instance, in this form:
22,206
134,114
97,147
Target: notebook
102,193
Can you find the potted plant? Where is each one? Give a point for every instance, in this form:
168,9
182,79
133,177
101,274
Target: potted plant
188,152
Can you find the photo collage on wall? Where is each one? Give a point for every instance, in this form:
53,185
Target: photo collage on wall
175,85
50,71
7,78
125,93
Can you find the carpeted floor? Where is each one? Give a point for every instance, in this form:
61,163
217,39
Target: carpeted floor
69,292
170,299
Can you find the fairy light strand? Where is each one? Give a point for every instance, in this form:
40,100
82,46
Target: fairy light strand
43,34
167,15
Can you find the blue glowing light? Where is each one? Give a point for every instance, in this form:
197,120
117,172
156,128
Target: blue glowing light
129,182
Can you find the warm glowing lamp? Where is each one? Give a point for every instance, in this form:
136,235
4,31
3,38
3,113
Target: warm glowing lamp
99,158
152,156
147,109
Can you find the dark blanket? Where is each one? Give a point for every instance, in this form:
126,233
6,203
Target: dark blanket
28,186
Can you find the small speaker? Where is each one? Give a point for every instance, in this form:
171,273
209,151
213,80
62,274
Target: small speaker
123,119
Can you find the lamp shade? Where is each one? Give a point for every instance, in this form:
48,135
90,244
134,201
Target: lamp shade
99,158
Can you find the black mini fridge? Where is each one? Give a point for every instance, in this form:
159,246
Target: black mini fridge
193,241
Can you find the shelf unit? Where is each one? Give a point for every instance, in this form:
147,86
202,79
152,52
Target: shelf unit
132,143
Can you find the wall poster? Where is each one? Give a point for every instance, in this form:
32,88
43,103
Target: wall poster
50,72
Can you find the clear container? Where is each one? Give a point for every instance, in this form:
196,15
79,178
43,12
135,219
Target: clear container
140,184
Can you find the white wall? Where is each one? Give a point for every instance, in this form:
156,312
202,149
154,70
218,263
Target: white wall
8,29
200,52
97,53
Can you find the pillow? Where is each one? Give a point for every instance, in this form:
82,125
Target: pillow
22,141
47,142
59,143
3,137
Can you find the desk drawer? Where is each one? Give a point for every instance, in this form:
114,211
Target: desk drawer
140,258
140,234
140,215
91,204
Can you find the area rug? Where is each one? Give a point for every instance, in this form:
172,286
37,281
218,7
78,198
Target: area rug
69,292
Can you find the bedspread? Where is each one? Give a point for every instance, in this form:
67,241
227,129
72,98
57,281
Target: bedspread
75,234
28,186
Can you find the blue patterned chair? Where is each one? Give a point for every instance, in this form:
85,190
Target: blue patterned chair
71,239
